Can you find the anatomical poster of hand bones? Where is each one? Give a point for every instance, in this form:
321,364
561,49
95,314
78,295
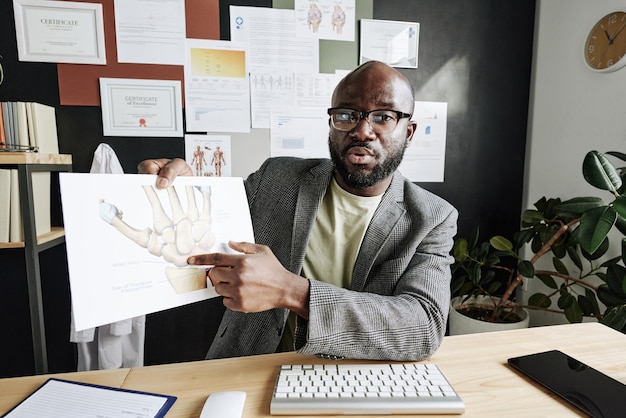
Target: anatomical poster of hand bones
128,242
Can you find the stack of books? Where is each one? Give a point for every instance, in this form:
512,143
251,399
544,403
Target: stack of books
25,127
28,126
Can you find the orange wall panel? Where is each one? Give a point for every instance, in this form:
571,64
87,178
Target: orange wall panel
78,83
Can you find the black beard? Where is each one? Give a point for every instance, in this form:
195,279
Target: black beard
360,179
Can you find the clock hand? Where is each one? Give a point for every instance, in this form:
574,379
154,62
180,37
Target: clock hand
608,37
616,33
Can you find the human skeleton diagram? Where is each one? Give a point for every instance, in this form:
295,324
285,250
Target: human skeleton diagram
173,237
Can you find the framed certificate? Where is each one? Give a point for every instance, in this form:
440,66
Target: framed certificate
132,107
59,31
394,43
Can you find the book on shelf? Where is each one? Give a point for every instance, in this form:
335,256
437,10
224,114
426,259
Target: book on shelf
45,128
5,204
16,231
23,138
28,126
7,115
3,139
31,125
11,221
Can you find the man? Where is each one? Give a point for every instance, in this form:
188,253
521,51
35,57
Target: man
358,254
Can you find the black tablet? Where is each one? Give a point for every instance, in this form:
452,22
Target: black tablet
585,387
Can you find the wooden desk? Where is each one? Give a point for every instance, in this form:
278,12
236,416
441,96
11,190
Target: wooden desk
475,365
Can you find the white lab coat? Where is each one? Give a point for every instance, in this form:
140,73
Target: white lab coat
116,345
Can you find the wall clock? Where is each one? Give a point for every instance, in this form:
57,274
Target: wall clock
605,47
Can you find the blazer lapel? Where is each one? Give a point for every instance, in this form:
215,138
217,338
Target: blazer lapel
383,222
312,190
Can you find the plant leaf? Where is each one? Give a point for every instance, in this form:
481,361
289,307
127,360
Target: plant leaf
531,217
500,243
573,255
609,298
620,224
476,274
573,312
494,287
457,284
579,205
559,266
548,281
539,300
492,260
488,277
602,249
565,300
595,224
460,249
607,263
616,279
617,154
588,306
600,172
615,317
619,204
465,289
526,269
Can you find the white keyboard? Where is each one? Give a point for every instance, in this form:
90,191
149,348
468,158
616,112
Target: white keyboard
377,389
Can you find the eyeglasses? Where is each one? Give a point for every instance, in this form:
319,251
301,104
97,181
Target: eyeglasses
382,121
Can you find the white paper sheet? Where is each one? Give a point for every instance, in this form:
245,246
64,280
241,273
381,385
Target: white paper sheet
150,31
271,37
424,160
301,132
127,243
217,90
316,90
392,42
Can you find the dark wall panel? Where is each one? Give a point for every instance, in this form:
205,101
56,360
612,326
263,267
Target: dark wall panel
478,54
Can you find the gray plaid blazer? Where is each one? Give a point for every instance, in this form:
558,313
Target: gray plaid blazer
397,304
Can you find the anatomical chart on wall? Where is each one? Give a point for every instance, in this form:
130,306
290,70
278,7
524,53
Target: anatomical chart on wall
128,242
208,155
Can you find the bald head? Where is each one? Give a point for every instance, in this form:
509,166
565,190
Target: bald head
377,82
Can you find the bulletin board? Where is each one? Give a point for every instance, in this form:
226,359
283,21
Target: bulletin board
78,84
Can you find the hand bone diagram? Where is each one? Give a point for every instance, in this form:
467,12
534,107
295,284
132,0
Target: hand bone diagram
173,237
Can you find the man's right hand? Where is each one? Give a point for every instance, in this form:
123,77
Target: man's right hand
166,170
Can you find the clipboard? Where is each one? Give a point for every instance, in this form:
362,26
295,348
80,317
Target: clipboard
69,399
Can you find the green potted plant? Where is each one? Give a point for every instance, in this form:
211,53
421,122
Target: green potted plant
574,234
